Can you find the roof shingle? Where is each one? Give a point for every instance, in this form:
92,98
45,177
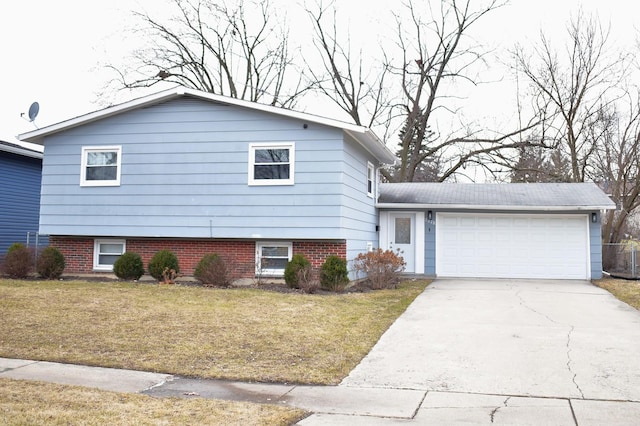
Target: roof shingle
513,196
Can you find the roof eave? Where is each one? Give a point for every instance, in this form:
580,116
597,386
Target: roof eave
25,152
369,141
367,138
493,207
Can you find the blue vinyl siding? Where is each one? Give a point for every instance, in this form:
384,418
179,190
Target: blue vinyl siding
185,174
595,247
359,215
430,245
20,184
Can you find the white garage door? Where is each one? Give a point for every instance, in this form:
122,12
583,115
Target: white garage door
512,246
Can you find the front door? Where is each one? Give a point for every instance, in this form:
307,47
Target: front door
402,237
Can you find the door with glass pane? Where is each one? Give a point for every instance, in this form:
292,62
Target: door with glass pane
402,237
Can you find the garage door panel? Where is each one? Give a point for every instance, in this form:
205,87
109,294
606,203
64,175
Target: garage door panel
512,246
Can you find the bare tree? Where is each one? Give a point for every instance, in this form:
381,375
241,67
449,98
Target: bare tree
617,163
357,85
431,54
236,48
571,88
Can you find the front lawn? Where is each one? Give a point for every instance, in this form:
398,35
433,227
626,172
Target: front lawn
236,334
626,290
37,403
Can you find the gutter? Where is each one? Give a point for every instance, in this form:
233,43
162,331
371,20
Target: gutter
492,207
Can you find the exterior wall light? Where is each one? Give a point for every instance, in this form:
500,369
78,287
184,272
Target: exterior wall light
594,217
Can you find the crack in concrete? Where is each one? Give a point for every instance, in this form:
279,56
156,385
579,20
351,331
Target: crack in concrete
569,362
8,369
495,410
571,328
524,304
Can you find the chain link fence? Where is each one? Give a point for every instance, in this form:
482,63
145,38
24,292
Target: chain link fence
37,242
621,260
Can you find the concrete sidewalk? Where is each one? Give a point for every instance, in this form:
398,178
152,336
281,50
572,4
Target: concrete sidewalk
343,405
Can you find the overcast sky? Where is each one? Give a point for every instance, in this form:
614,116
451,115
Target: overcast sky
53,51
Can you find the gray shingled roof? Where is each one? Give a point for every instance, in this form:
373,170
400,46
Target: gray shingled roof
512,196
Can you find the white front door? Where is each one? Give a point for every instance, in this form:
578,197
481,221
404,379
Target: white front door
402,235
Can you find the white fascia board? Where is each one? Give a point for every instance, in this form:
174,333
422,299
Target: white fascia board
37,135
374,146
25,152
492,207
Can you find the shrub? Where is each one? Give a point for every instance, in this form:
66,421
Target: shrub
383,269
164,259
18,261
333,274
212,271
308,280
129,266
297,268
50,264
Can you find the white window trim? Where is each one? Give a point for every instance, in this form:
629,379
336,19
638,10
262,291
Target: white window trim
83,168
277,145
371,169
96,253
271,272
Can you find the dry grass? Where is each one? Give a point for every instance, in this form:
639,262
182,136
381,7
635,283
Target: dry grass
626,290
31,403
237,334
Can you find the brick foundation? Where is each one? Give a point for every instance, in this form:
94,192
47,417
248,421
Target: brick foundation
239,255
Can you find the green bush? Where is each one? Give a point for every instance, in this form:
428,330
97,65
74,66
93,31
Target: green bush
15,246
296,270
333,274
18,262
212,271
129,266
162,263
50,263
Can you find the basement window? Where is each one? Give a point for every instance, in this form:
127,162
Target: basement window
106,252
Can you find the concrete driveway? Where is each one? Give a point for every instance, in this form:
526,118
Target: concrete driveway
563,349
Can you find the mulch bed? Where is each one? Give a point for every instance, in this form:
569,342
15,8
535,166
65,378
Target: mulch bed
280,287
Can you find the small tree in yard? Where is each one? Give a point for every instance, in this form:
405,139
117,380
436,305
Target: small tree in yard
333,274
383,269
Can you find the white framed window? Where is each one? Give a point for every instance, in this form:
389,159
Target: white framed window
106,252
100,166
371,179
271,163
272,258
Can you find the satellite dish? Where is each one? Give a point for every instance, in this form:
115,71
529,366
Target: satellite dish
33,111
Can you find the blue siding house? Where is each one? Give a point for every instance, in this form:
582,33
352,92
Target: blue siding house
20,174
199,173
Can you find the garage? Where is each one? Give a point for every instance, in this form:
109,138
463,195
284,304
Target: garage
515,230
512,246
